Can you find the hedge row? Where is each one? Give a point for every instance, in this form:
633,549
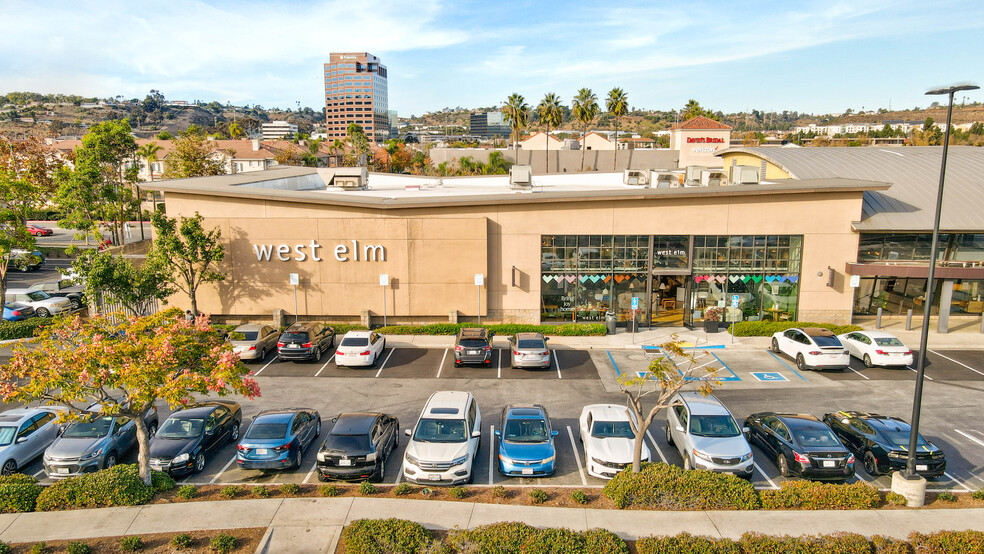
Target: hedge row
505,329
18,493
117,486
810,495
835,543
768,328
668,487
21,329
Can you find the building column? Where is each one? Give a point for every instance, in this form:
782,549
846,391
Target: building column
946,297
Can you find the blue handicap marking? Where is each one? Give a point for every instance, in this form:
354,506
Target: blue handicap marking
768,376
635,302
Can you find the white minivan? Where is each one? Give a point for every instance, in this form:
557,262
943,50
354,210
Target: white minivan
444,444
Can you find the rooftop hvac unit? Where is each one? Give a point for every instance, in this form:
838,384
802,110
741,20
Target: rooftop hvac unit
636,177
666,180
692,176
712,177
520,177
346,178
744,175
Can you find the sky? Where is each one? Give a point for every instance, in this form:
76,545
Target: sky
810,56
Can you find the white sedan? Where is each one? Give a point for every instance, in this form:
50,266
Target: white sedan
877,348
608,440
359,348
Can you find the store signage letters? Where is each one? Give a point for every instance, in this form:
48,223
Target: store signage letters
342,252
715,140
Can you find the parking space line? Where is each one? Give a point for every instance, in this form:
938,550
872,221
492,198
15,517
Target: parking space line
912,369
38,474
384,362
324,366
577,457
440,367
725,367
499,375
778,359
978,441
956,362
307,477
858,372
762,473
266,366
491,450
221,471
658,451
615,365
957,481
557,361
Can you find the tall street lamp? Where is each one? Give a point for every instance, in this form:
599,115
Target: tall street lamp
909,483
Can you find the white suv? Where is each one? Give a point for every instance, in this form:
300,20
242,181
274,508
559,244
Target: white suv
444,444
707,435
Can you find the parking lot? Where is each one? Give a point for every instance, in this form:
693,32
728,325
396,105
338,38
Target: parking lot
751,381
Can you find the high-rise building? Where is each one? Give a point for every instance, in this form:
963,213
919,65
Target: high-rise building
356,91
488,125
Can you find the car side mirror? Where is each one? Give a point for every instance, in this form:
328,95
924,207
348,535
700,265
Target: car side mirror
476,434
498,433
408,432
745,431
554,433
546,338
20,440
60,431
845,421
679,428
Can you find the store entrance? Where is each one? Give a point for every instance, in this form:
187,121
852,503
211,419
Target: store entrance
668,297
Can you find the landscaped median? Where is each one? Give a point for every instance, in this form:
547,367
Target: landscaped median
768,328
231,541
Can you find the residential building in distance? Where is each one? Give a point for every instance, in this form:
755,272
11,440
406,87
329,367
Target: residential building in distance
356,91
277,129
541,141
488,124
594,141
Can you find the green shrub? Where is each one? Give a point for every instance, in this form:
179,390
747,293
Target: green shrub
888,545
39,548
838,543
603,541
504,537
223,543
78,547
670,487
810,495
537,496
457,492
27,328
402,489
978,494
383,536
18,493
187,492
896,499
5,548
366,488
579,497
162,482
946,496
557,540
499,491
182,541
768,328
117,486
260,491
290,488
232,491
131,544
945,542
505,329
328,490
685,543
342,328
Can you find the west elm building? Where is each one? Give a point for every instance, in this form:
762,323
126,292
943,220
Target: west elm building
571,247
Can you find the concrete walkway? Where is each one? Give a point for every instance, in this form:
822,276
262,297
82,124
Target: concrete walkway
302,525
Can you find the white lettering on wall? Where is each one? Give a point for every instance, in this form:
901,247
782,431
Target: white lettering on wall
262,251
376,252
342,252
282,250
314,250
339,251
301,256
355,250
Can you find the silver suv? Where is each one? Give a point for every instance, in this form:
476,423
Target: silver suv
707,435
93,444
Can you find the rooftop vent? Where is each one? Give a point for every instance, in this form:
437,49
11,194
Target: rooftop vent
346,178
666,179
521,177
744,175
636,177
692,176
712,178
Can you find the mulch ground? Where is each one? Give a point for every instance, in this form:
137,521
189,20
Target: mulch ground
247,541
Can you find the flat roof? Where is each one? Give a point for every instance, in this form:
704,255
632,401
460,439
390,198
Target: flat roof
391,191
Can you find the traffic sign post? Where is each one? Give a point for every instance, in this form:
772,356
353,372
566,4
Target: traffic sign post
479,281
295,280
384,281
735,301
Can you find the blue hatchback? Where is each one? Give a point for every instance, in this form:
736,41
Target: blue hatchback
526,442
277,439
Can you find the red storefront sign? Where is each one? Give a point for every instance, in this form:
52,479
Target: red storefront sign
704,140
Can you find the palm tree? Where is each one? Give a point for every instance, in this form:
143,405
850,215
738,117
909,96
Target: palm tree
550,114
517,113
618,105
149,152
584,109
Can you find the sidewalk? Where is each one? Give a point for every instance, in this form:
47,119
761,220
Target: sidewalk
301,525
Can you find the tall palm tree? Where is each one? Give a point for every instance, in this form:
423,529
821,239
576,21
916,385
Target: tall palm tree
550,113
584,109
517,113
618,105
149,152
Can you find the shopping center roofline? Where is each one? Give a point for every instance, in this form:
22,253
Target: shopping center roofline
249,186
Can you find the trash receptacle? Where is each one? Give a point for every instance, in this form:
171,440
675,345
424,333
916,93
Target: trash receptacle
610,322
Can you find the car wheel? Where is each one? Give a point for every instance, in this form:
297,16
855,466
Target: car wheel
687,466
871,464
263,354
396,439
669,436
234,432
43,312
317,354
380,475
317,430
152,429
298,461
775,345
783,465
76,303
110,460
9,468
199,462
800,363
867,360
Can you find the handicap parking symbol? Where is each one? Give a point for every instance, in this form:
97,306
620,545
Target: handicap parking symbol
768,376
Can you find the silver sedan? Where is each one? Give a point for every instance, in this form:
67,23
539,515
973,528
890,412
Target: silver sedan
256,341
529,350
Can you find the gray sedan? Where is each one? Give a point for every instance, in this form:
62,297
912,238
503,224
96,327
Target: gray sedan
24,434
256,342
97,443
529,350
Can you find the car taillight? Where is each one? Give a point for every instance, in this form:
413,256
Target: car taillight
252,348
366,353
307,345
487,347
281,448
801,458
814,353
459,348
881,352
545,353
850,459
16,313
281,344
516,352
907,353
241,448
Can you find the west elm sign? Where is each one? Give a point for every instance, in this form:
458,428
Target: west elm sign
300,252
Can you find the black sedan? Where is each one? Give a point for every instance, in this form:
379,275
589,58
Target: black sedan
800,444
358,447
882,443
186,438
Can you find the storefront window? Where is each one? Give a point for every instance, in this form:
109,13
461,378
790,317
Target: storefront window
894,295
968,297
968,248
898,247
670,251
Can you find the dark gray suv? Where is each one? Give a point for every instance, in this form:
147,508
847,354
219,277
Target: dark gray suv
305,341
473,346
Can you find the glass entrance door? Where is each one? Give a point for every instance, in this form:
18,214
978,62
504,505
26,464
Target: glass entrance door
668,297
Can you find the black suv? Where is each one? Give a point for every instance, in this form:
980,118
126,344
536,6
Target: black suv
305,341
473,346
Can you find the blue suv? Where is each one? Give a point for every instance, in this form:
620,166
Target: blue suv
526,442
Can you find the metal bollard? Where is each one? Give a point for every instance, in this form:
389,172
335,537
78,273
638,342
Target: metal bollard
982,323
878,319
908,320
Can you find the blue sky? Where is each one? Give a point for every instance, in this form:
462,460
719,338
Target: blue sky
809,56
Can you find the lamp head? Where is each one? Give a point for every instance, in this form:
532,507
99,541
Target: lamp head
952,88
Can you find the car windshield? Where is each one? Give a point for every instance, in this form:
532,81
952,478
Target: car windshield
96,428
888,341
180,428
826,341
525,430
295,337
440,430
714,426
900,439
38,295
530,345
473,343
249,335
354,341
263,431
7,435
611,430
347,443
819,438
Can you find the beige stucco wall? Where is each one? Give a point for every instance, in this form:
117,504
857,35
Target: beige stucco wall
699,153
433,253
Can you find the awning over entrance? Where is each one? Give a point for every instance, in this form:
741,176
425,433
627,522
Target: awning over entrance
887,270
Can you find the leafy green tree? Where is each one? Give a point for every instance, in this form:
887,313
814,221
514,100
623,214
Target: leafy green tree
584,109
550,114
188,254
360,150
164,135
115,279
693,109
617,105
236,131
193,156
928,124
517,113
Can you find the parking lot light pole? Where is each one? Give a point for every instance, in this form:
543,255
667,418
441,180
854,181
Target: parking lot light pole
910,469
